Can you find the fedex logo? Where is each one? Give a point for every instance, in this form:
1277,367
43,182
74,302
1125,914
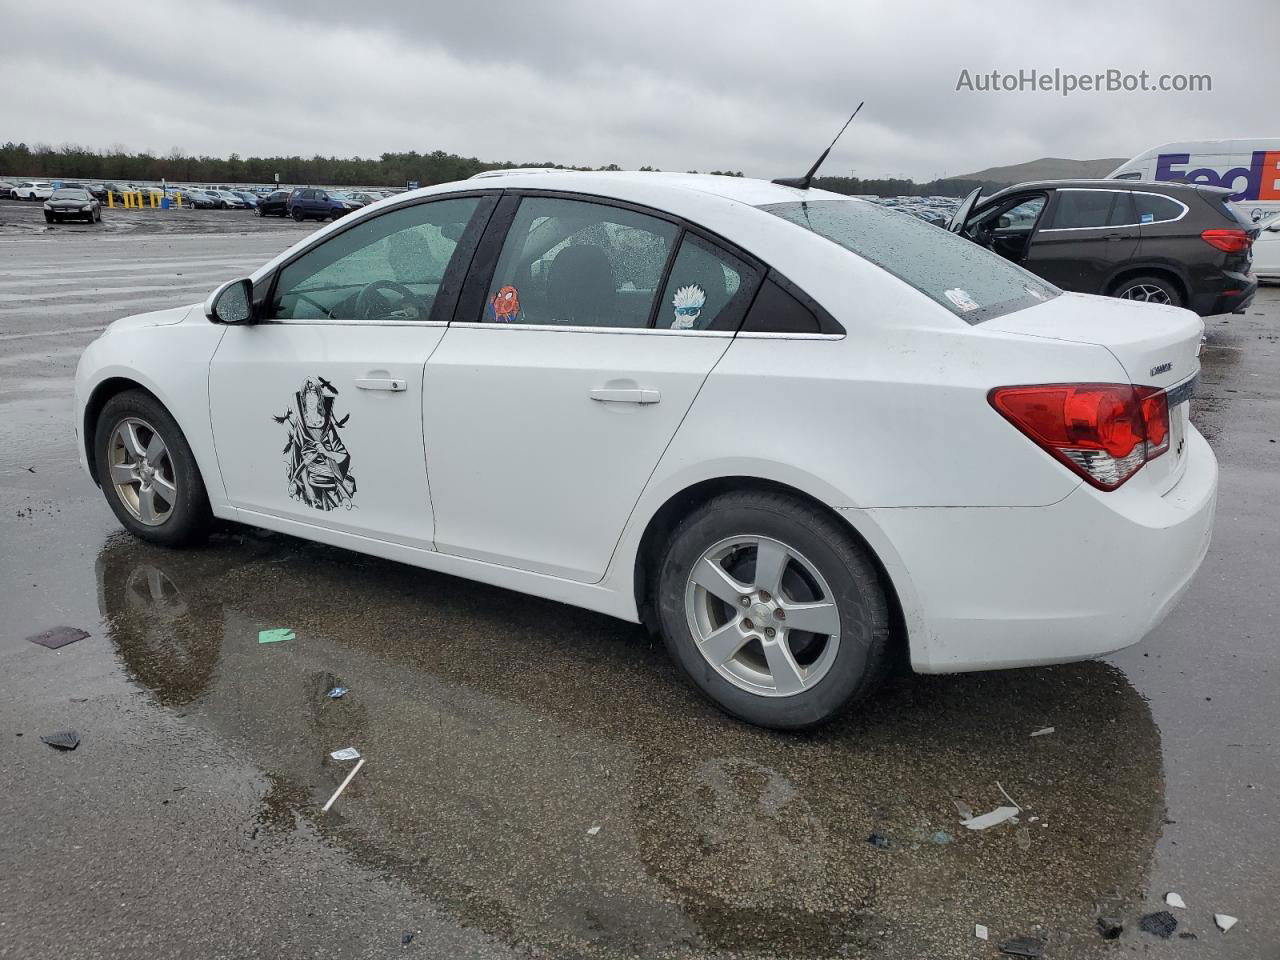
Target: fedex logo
1261,177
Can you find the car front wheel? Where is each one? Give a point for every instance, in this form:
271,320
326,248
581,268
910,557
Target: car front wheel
773,610
148,473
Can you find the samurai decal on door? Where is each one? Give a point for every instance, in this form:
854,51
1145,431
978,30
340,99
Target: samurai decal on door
316,459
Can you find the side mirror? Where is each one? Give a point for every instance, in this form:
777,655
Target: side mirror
231,303
1274,228
1004,221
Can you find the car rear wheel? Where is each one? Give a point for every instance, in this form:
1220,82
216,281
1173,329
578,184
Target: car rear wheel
1149,290
148,473
260,212
773,610
298,215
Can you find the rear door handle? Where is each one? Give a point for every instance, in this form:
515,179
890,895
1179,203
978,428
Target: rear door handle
392,384
625,395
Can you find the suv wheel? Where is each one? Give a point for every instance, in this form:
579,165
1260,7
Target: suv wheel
773,610
298,215
148,473
1148,290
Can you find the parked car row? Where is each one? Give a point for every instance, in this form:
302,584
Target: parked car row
315,203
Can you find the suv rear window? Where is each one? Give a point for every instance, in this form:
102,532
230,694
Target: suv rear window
970,281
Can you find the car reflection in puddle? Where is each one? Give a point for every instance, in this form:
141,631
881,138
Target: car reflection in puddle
500,729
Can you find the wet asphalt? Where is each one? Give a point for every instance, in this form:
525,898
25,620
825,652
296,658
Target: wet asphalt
500,731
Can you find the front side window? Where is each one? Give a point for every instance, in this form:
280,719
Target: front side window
387,268
708,289
578,263
969,280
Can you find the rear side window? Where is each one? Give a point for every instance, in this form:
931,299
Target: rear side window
970,281
708,289
578,263
1080,209
1153,208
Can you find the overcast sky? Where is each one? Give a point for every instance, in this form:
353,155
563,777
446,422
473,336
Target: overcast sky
759,87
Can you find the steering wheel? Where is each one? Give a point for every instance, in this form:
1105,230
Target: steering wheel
371,304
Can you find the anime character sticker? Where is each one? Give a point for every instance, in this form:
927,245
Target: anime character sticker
688,303
504,306
317,463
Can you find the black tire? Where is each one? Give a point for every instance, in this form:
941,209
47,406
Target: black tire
190,517
49,218
862,657
260,211
1133,288
298,215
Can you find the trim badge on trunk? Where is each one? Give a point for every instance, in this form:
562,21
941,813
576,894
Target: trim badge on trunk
1160,368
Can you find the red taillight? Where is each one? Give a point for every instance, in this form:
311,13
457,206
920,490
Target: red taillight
1228,240
1103,431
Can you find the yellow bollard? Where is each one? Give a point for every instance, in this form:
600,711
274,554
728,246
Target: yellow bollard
153,200
178,199
128,200
111,201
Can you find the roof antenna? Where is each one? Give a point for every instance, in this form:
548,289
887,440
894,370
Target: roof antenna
803,182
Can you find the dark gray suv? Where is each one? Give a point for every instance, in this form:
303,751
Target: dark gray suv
1180,244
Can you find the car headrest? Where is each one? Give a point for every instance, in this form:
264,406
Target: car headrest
580,286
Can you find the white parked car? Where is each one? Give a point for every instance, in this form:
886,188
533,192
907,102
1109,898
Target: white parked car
1266,251
794,433
32,190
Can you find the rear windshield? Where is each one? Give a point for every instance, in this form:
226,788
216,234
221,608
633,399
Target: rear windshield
970,281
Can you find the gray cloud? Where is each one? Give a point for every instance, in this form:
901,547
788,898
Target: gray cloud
742,85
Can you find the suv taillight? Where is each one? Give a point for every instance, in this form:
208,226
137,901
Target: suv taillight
1228,240
1104,432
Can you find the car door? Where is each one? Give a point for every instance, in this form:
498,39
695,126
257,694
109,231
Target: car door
317,408
585,334
1084,235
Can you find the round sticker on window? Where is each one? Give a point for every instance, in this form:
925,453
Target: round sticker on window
961,299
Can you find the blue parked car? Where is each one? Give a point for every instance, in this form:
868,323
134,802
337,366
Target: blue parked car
312,202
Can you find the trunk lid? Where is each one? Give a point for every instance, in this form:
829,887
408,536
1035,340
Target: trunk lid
1157,346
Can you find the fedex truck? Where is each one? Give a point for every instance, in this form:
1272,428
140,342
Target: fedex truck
1250,168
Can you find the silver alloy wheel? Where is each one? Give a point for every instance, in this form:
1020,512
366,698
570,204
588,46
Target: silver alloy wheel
142,471
1146,292
762,616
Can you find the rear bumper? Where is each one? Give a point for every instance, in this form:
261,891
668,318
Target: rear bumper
1229,293
986,588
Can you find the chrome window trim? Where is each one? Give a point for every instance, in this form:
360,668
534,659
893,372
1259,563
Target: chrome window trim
1118,226
338,322
574,328
782,335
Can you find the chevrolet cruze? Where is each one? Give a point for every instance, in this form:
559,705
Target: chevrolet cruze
794,433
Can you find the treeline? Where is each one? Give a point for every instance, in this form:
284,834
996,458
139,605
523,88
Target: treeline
388,170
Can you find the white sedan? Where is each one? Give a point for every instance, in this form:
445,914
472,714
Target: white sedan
796,434
1266,251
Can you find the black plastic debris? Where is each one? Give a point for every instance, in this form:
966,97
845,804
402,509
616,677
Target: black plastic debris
1162,923
63,739
56,637
1110,928
406,938
879,842
1023,947
1187,935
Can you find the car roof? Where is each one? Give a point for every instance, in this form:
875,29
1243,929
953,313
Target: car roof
626,184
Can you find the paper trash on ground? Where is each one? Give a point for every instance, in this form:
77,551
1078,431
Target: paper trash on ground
346,753
998,815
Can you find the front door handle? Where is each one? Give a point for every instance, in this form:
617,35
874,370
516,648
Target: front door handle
625,395
391,384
